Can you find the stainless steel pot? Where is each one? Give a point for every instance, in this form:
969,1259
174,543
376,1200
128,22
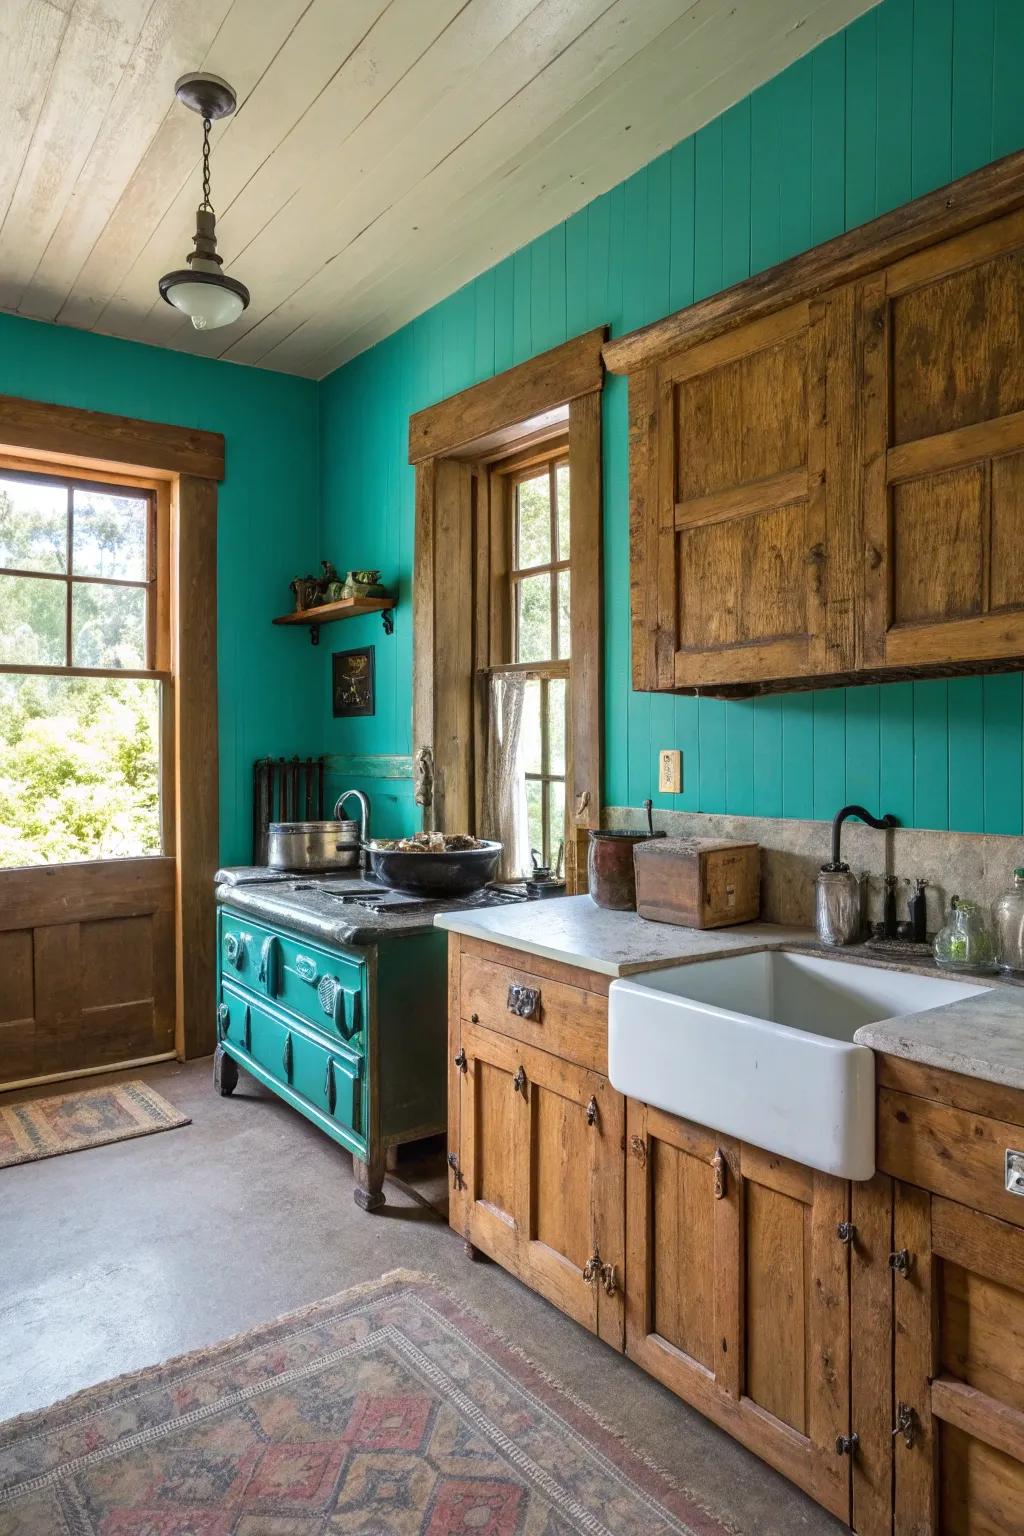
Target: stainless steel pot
313,845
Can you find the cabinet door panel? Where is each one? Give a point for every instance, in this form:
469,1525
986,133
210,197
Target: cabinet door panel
491,1155
943,410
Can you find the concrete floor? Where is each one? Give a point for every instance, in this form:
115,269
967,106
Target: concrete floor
125,1255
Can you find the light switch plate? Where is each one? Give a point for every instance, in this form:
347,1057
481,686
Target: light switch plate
670,772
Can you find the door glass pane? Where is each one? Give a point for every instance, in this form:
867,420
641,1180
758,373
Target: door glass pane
533,619
110,535
79,768
533,522
32,620
564,643
562,492
33,526
108,626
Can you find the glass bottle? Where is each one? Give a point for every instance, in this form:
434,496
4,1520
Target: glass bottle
1009,923
965,943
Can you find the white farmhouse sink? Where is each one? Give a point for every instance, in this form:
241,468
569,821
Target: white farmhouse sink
760,1046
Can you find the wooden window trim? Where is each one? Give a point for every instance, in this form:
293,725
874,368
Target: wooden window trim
457,616
184,466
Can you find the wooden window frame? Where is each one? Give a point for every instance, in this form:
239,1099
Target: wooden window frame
459,618
183,466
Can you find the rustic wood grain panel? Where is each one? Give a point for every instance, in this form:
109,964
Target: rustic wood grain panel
743,421
952,1152
775,1233
871,1333
981,1332
938,546
586,638
683,1301
16,990
570,1022
916,1494
561,1146
982,1489
39,426
953,342
1006,547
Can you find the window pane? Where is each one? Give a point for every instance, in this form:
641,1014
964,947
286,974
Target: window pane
108,626
562,492
33,526
533,522
79,769
530,738
556,820
534,817
564,642
32,619
556,725
110,535
533,627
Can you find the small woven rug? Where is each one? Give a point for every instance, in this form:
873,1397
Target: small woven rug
388,1410
45,1127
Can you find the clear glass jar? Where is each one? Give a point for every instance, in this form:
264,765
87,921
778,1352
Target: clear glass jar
1009,924
966,943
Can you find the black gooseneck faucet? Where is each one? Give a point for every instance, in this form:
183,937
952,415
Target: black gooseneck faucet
847,811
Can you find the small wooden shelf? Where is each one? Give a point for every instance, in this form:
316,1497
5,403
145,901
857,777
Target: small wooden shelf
344,608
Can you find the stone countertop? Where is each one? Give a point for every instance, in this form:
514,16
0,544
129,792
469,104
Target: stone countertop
981,1036
293,902
573,931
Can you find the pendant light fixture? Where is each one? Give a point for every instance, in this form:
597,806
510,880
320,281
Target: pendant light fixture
201,289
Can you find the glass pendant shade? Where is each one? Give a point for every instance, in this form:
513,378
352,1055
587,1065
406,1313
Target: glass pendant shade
207,304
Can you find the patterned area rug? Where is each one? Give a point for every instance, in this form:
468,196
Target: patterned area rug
44,1127
386,1410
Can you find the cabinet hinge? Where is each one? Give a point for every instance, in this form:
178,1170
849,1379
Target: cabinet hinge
592,1268
638,1147
609,1279
519,1081
906,1424
460,1061
592,1112
720,1168
900,1262
846,1445
453,1164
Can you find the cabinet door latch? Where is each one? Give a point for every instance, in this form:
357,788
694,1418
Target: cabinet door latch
519,1081
906,1424
846,1231
638,1147
900,1262
460,1060
609,1279
453,1164
591,1112
720,1168
592,1268
846,1445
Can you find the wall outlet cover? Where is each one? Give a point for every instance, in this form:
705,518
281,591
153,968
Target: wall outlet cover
670,772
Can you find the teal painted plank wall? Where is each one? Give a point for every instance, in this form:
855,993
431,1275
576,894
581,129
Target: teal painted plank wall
908,97
270,698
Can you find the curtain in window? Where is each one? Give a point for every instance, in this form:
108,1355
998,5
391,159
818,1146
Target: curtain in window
505,779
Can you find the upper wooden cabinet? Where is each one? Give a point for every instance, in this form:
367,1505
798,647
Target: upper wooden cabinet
827,462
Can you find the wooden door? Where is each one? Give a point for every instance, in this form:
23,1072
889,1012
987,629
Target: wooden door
943,409
743,444
573,1191
959,1370
737,1291
86,966
541,1175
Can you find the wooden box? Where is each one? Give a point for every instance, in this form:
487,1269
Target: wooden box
698,882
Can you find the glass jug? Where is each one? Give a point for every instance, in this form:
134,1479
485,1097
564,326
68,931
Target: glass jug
966,943
1009,921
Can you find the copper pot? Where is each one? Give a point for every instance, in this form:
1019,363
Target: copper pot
612,877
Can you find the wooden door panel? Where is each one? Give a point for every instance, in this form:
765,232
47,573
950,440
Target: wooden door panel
943,485
94,990
490,1141
981,1489
682,1300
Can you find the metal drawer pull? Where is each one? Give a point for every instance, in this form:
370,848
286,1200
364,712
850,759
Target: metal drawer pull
306,968
592,1112
519,1082
329,1088
286,1058
1014,1172
460,1061
328,993
223,1020
524,1002
234,950
247,1029
266,971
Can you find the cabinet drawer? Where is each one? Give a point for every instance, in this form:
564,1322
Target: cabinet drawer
949,1151
566,1021
327,1079
320,985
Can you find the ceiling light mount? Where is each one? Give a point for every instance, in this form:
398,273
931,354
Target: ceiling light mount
201,289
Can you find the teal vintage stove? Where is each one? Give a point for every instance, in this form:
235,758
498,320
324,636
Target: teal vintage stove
333,993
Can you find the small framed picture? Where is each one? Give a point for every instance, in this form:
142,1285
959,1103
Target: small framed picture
352,682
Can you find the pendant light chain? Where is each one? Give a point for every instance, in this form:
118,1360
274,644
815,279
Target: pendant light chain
206,166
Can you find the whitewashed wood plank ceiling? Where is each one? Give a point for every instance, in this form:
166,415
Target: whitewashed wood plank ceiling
384,151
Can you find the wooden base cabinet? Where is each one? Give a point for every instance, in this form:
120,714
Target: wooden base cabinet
738,1294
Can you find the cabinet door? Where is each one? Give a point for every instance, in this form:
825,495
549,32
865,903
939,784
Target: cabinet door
943,407
573,1238
541,1168
742,460
738,1293
959,1369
